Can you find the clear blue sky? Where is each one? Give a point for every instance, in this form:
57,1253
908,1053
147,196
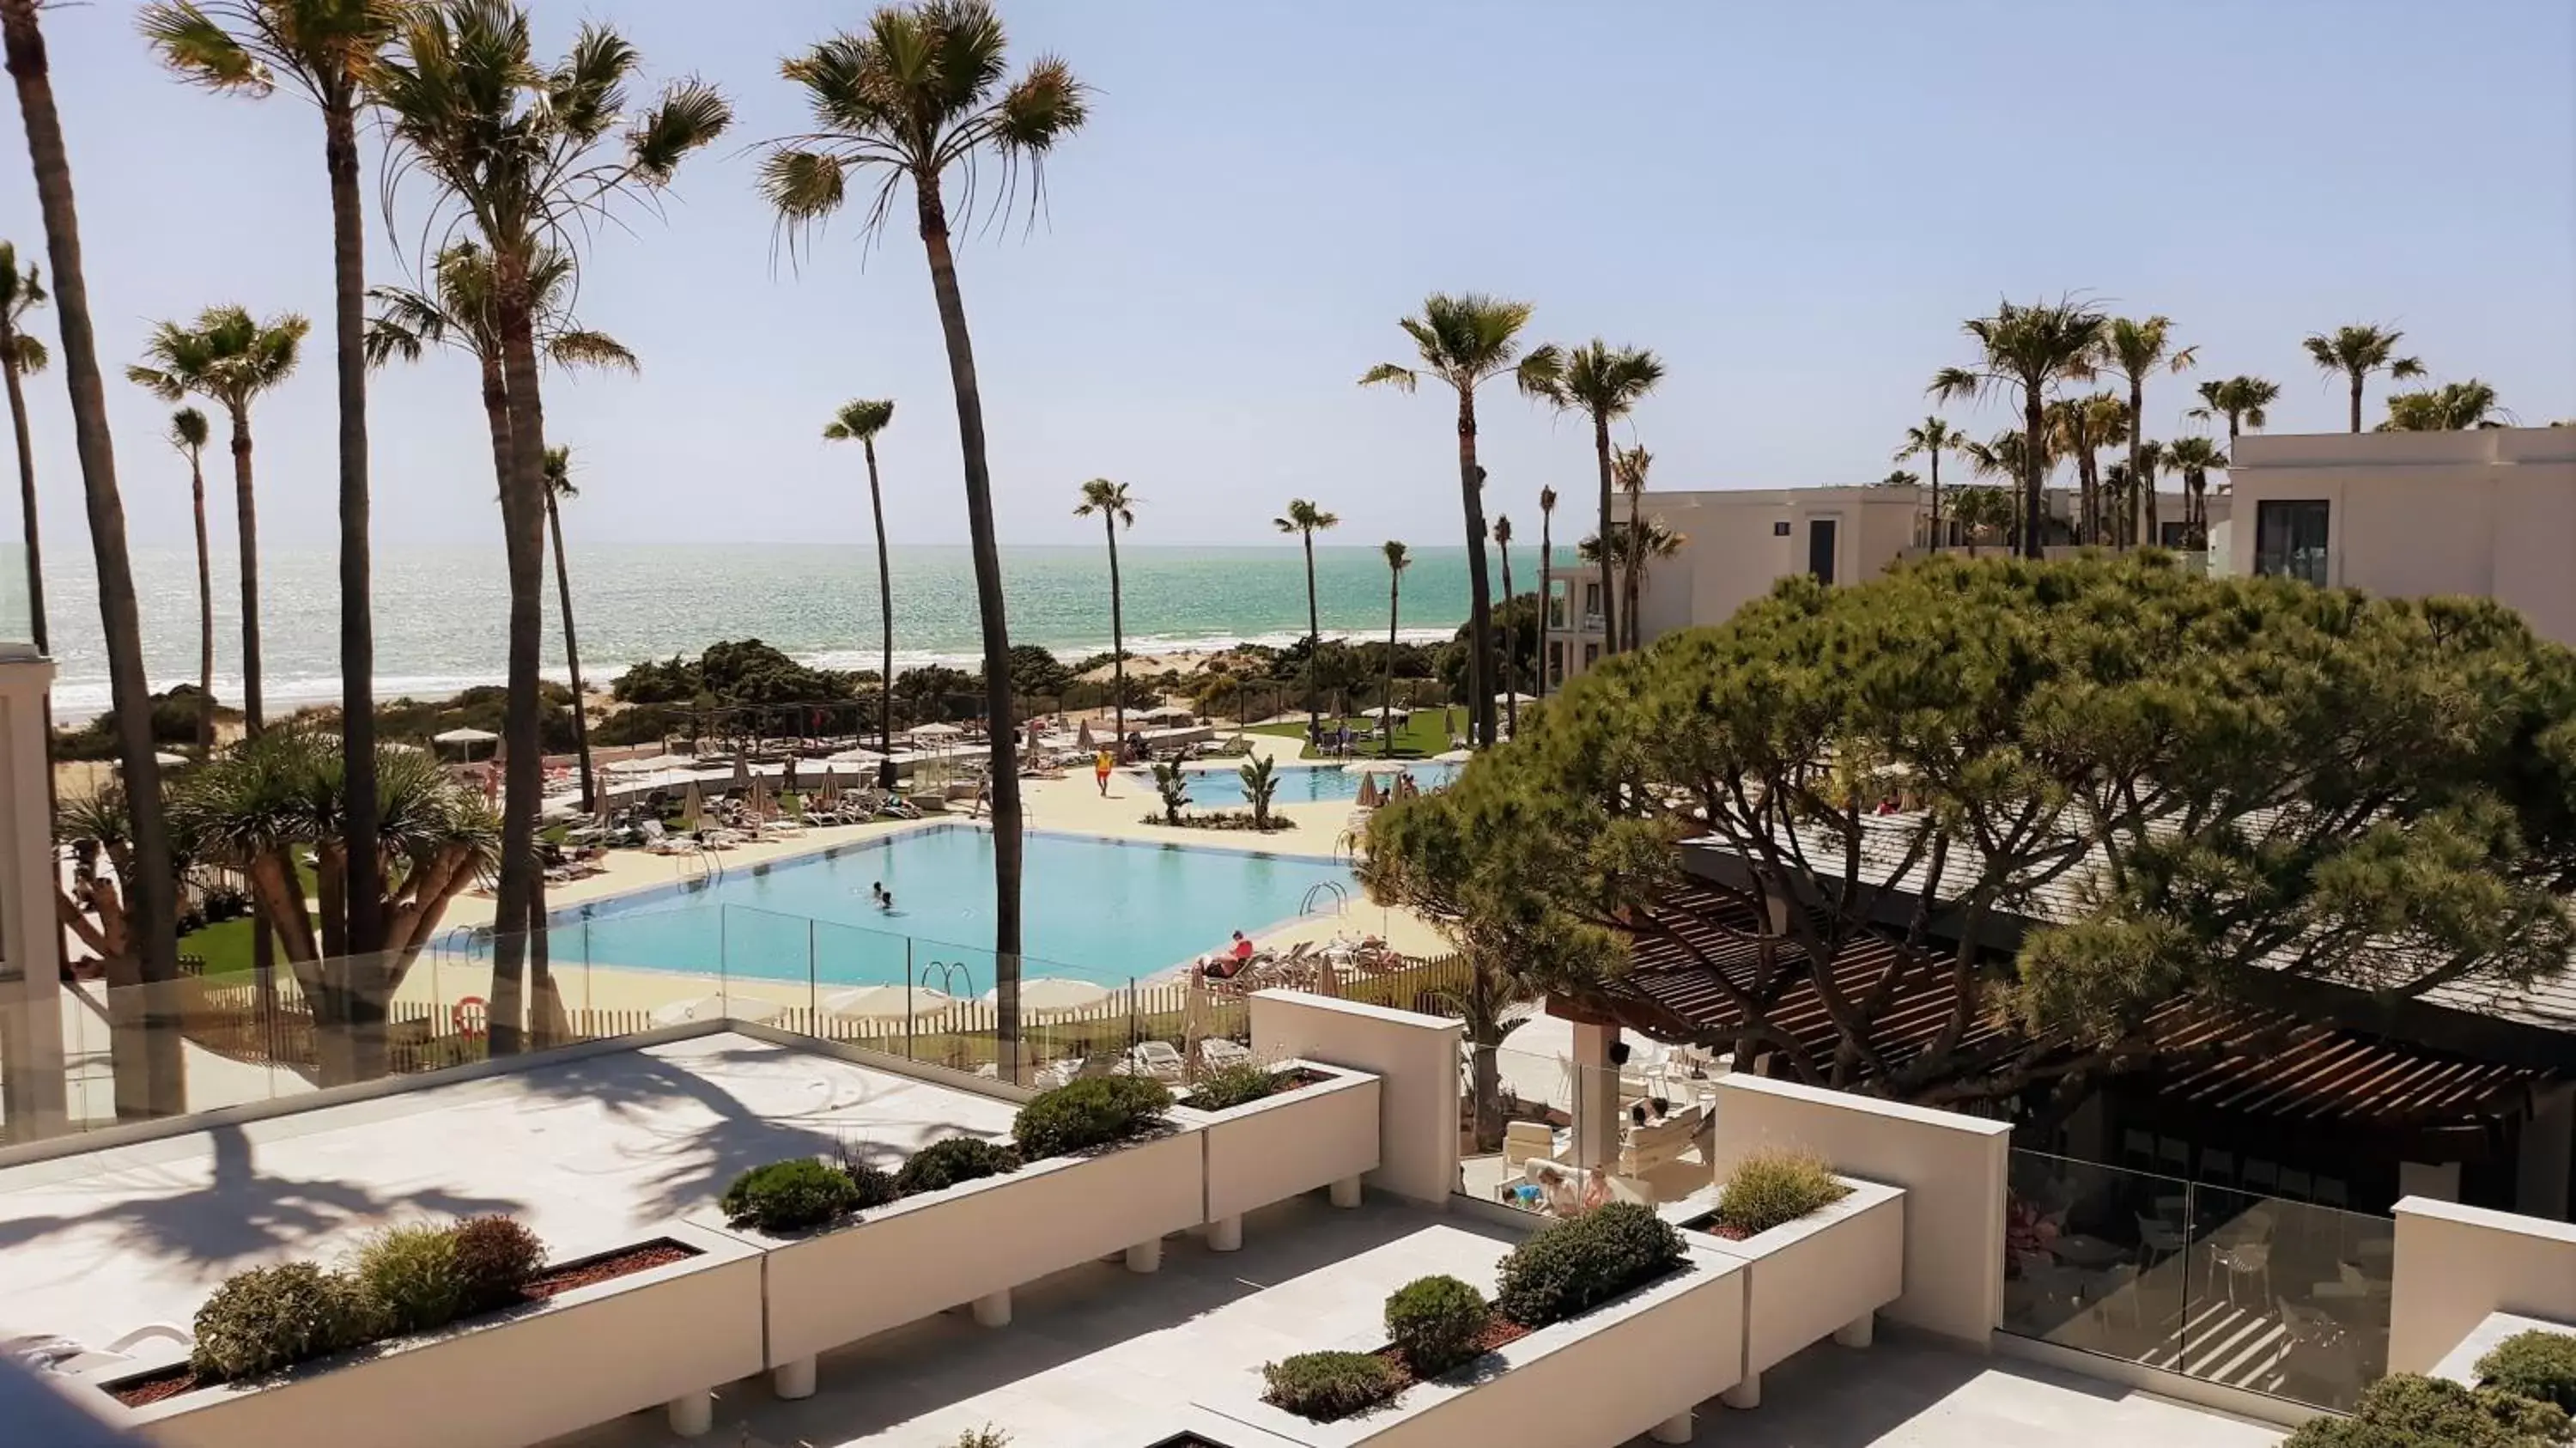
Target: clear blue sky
1794,204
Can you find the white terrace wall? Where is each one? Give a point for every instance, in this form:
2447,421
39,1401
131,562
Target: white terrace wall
1951,1166
2457,1264
1415,1058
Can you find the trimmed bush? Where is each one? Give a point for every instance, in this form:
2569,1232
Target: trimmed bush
1776,1186
496,1257
1435,1322
1093,1111
2411,1411
2536,1365
1323,1386
944,1164
410,1278
1236,1083
1567,1267
273,1317
788,1196
874,1185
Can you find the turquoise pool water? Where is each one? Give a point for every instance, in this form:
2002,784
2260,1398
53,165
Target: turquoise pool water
1093,908
1312,784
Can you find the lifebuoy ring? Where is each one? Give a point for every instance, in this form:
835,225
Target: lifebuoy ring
457,1015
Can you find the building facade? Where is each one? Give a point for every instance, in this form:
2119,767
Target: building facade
31,1025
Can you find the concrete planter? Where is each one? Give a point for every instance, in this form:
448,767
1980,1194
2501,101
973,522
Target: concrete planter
1297,1141
974,1242
1637,1364
658,1336
1826,1272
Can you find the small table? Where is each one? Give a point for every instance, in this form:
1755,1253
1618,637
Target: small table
2078,1250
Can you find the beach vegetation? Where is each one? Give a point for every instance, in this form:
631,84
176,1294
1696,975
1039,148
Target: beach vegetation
1115,507
1929,439
496,1256
2539,1365
2241,400
2451,407
1397,560
1304,519
2134,350
411,1279
951,1160
1260,785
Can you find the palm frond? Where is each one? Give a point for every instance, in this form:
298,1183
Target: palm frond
1388,374
581,347
194,45
28,354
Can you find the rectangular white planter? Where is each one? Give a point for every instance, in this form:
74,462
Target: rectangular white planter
928,1253
1597,1379
1809,1277
1297,1141
563,1364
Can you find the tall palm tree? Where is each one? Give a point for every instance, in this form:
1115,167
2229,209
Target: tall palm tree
2451,407
2195,458
326,48
1396,562
230,359
861,421
525,158
1630,467
1510,669
2080,427
2023,354
1303,518
155,1084
2241,400
2007,456
2132,349
1467,341
1602,382
1110,501
188,434
918,93
2357,351
559,486
1929,439
21,356
1979,509
1546,583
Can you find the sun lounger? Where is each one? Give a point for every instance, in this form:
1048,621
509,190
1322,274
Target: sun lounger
1218,1051
1158,1059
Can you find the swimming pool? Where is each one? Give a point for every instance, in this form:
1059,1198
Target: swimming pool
1301,784
1094,908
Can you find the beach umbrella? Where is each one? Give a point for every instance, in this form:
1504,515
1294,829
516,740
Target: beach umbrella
885,1003
465,739
935,731
1454,756
717,1008
1169,711
691,806
168,760
1082,738
653,765
1368,792
1055,993
1377,766
742,771
1515,699
759,795
854,756
831,791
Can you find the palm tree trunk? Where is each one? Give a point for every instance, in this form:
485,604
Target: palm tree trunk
1935,454
152,898
205,611
1118,637
885,619
572,653
1609,585
1546,583
31,535
1314,639
2232,417
523,769
1386,705
246,537
2088,478
1480,602
357,609
2033,470
2356,399
1007,843
1632,567
1511,665
2137,457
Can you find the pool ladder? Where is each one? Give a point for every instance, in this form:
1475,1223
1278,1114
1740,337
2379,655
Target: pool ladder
1325,890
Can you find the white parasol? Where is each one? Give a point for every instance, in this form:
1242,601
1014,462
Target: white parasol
885,1003
717,1008
935,731
1054,993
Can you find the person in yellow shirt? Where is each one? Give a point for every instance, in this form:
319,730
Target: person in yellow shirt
1101,764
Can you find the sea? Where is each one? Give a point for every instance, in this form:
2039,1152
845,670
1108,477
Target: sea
442,613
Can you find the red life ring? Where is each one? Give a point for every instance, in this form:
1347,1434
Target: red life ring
457,1015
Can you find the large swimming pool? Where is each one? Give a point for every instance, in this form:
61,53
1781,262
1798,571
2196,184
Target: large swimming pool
1222,788
1096,908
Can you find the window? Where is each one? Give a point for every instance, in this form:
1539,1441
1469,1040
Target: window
1591,655
1780,529
2170,534
1820,549
2290,539
1555,658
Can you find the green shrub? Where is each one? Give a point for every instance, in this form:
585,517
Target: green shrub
958,1159
1236,1083
1774,1186
874,1185
1324,1386
2536,1365
1582,1262
987,1436
496,1257
1093,1111
271,1317
788,1196
1436,1322
410,1278
2410,1411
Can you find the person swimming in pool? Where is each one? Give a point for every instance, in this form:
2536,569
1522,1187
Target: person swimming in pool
877,893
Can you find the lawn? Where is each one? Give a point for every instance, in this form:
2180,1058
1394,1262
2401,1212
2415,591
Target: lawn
224,946
1417,738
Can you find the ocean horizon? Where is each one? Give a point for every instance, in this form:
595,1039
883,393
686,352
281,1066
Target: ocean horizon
442,612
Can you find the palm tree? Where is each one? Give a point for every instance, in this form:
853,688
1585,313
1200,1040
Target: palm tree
522,158
2120,498
2132,349
1396,563
918,93
559,486
861,421
1929,439
2080,427
1979,509
1115,508
1260,778
156,1085
188,434
231,359
1630,467
1602,382
1303,518
2357,351
2452,407
2241,400
1511,673
326,48
1467,341
2195,458
1546,583
2024,353
22,355
2007,455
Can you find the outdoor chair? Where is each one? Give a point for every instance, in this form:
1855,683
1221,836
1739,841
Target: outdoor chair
2158,1239
2243,1259
1158,1059
1527,1141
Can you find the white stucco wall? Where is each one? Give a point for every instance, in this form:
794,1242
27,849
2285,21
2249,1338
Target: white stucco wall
2456,1264
1415,1059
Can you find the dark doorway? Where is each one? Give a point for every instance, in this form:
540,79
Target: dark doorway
1820,549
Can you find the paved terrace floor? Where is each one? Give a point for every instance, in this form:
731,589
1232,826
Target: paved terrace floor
588,1152
1101,1358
